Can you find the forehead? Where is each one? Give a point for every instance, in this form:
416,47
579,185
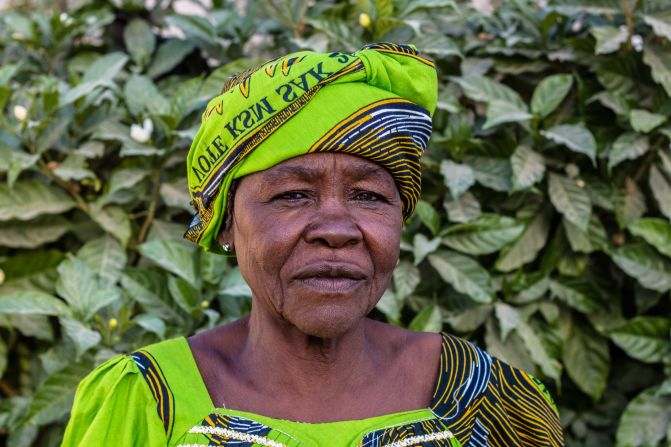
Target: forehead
321,165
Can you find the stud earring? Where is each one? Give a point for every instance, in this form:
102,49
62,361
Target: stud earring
227,247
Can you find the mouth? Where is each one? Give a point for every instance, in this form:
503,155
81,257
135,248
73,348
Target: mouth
331,278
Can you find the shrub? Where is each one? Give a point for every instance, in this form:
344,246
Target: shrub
543,232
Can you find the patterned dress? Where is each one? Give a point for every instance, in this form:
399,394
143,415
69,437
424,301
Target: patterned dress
156,397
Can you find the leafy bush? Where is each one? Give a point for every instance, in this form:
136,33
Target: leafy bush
544,231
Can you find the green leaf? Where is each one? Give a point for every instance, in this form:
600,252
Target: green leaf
482,89
140,94
114,220
500,112
540,355
549,93
83,337
421,247
464,209
416,5
512,351
644,421
29,199
428,215
151,323
31,302
105,257
82,289
428,319
182,293
570,200
660,23
656,232
16,234
628,146
178,257
150,290
458,177
601,193
661,190
494,173
629,203
508,317
527,247
406,279
100,73
644,121
170,53
390,305
659,61
140,41
644,338
195,27
488,234
464,274
619,74
105,68
608,38
437,44
587,359
53,398
575,137
577,293
642,263
595,238
234,284
528,167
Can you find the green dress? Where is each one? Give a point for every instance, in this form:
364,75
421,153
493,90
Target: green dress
156,397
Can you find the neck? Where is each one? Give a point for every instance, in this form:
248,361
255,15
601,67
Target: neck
302,364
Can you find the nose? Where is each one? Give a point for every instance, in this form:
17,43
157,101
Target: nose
333,227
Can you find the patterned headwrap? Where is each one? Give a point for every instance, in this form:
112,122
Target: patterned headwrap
375,103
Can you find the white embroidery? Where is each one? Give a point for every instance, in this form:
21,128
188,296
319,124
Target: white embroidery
232,434
421,438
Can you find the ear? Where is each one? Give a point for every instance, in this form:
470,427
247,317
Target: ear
226,235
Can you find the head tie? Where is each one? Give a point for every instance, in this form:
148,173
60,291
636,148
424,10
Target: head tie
375,103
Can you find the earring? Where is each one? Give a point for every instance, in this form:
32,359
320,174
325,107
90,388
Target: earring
227,247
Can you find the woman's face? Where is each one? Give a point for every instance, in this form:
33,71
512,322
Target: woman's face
317,238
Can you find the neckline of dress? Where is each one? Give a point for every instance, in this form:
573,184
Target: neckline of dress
436,393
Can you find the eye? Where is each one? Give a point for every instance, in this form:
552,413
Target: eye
368,196
290,196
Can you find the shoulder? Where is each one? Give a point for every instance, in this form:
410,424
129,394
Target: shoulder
113,388
483,398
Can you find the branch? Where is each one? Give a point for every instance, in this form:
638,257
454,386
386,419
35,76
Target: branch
7,389
156,188
68,186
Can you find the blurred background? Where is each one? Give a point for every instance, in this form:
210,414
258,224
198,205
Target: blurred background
543,233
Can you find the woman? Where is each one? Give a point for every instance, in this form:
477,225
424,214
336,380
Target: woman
305,168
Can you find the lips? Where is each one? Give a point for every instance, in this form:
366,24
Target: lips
330,277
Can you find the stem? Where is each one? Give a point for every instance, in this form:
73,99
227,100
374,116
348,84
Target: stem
7,389
156,185
644,166
69,187
629,16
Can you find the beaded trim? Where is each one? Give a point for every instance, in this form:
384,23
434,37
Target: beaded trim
422,438
262,440
232,434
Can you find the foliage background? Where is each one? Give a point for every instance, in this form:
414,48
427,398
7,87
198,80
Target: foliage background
544,231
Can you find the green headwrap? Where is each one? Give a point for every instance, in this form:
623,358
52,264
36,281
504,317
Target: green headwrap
376,103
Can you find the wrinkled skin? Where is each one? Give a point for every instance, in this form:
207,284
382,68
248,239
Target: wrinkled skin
317,238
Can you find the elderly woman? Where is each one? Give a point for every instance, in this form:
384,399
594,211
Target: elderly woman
305,169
